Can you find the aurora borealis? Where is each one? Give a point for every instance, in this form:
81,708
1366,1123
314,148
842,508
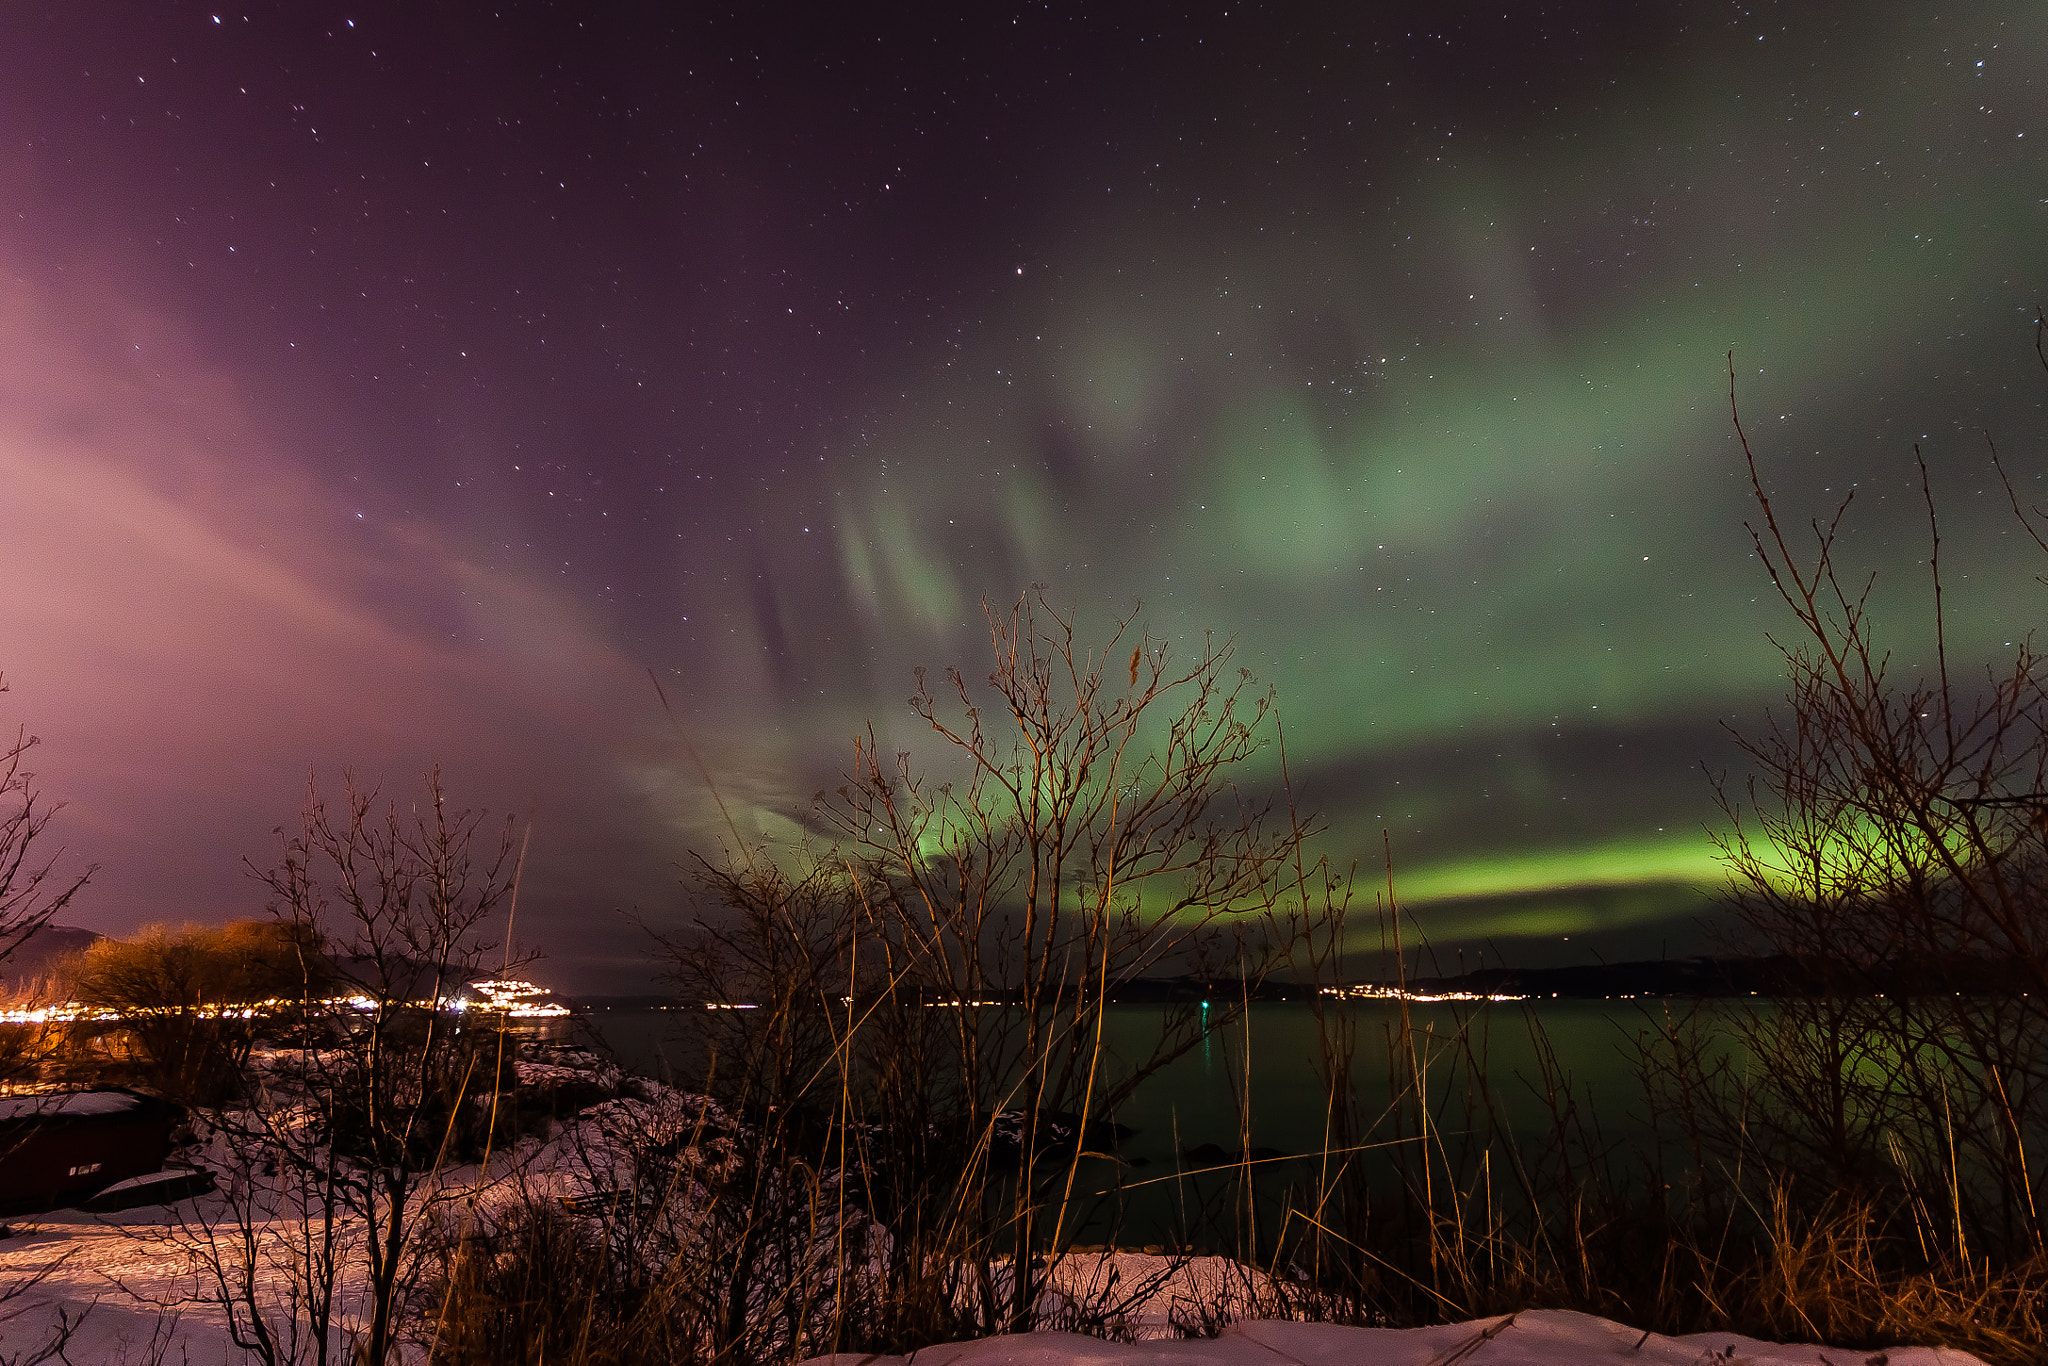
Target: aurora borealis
385,387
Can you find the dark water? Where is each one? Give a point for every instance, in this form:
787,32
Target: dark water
1272,1053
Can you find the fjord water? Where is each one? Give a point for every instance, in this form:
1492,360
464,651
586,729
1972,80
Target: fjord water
1171,1179
1273,1052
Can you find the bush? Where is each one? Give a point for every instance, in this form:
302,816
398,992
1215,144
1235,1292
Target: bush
188,999
546,1290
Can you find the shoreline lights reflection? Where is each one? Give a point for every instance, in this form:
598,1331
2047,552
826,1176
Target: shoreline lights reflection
1385,993
497,996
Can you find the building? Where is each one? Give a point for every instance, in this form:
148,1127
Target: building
62,1148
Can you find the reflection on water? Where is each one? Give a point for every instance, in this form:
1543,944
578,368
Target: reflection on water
1190,1117
1272,1052
650,1042
554,1029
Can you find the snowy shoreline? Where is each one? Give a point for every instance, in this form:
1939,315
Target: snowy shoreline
1535,1337
123,1282
101,1269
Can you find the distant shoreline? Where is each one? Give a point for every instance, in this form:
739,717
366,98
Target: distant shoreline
1698,978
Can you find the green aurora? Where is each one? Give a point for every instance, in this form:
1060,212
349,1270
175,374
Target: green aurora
408,391
1457,471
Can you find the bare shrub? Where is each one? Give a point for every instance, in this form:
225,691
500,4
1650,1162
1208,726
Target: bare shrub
1093,831
31,889
339,1165
1893,849
903,1108
191,1001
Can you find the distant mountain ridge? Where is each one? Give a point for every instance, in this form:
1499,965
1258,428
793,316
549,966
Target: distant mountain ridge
37,954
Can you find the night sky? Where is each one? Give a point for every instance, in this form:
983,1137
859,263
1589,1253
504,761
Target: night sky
402,384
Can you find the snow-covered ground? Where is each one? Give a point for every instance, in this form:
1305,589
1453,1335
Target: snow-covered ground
99,1273
1539,1337
108,1266
124,1280
128,1279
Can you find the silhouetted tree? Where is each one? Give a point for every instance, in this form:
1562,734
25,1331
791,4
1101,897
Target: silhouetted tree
333,1171
31,889
1093,831
1893,846
923,1041
190,1002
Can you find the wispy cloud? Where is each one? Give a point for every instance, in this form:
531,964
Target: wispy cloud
194,621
